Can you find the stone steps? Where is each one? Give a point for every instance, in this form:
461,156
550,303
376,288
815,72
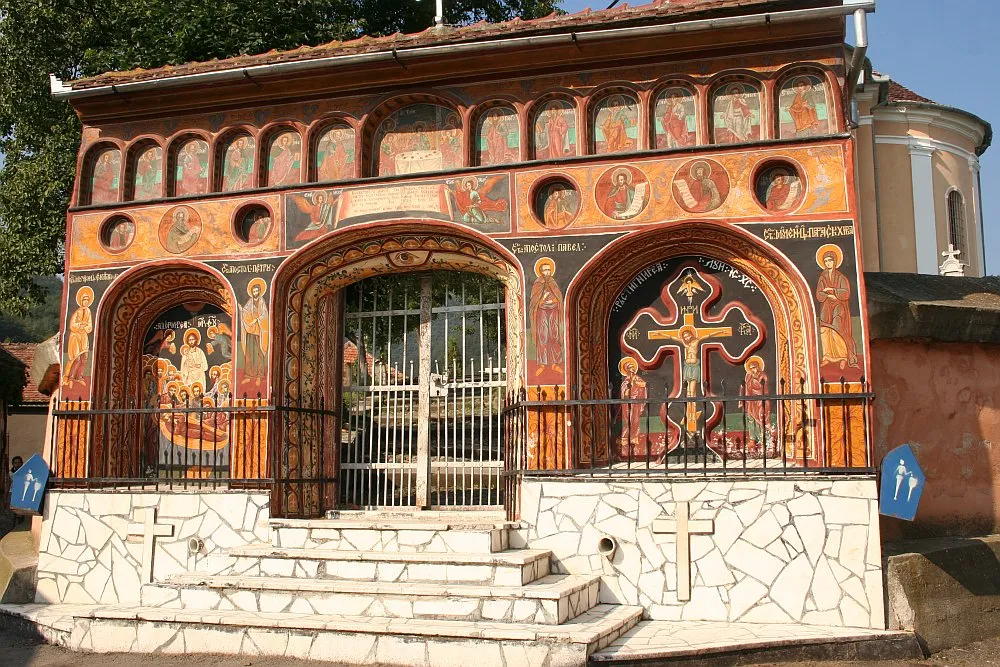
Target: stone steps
507,568
551,600
472,534
350,639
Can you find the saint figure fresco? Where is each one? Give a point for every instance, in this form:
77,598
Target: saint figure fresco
254,338
633,438
545,312
498,136
622,192
334,159
475,206
237,164
676,119
191,174
736,114
615,120
254,225
779,188
701,186
755,384
802,107
419,138
179,229
557,204
104,181
284,160
119,234
833,292
149,174
81,325
555,130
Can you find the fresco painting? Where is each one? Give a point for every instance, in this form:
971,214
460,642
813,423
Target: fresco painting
555,130
622,192
284,159
557,203
118,233
498,137
149,174
104,182
779,188
191,172
179,229
700,186
335,154
238,163
675,118
736,113
482,201
803,110
84,292
616,124
253,225
419,138
833,294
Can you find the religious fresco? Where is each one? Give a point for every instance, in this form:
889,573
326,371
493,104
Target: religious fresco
736,113
616,124
692,328
701,186
149,174
417,138
555,130
675,118
335,158
556,203
253,224
779,187
179,229
117,233
803,109
84,292
191,168
622,192
284,159
187,365
498,137
238,163
105,177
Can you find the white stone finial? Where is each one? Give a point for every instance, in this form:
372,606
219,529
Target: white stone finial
951,265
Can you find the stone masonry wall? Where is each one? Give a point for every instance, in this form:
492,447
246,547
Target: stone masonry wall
86,554
782,551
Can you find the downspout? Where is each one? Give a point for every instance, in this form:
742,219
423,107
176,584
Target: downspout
860,50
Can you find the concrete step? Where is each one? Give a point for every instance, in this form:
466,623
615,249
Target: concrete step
473,534
551,600
346,639
506,568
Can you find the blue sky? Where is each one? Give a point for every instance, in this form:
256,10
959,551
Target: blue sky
946,51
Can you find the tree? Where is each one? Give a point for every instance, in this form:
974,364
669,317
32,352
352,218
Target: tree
40,136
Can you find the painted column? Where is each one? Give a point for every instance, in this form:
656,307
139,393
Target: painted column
924,221
979,243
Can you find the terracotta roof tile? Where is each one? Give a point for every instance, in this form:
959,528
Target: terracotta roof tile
658,11
25,353
900,93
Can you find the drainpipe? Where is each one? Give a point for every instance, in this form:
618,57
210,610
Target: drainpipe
860,50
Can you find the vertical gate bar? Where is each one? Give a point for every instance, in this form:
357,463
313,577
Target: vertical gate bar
390,396
410,470
423,418
372,396
453,488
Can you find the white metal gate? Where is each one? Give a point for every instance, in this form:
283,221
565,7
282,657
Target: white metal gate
425,392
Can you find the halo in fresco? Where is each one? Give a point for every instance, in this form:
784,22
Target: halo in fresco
700,185
180,228
622,192
253,223
557,203
117,233
779,187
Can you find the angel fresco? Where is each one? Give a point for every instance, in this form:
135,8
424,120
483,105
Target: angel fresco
320,207
220,338
473,207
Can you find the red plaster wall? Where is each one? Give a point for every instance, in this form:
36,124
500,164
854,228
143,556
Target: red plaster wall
941,398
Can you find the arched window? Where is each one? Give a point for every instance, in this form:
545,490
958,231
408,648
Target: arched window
956,224
803,107
145,172
237,164
189,174
675,118
284,159
103,176
417,138
614,123
736,113
498,136
554,124
334,157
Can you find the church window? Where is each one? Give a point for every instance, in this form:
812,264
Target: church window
418,138
103,176
145,172
555,133
498,136
779,187
675,118
956,224
615,123
803,107
284,159
736,113
237,164
189,175
334,158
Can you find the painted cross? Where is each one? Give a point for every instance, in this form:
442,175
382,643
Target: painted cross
149,530
683,527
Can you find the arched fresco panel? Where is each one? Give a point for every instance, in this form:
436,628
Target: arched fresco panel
105,176
238,163
148,174
736,113
555,134
191,168
498,136
335,158
284,159
418,138
615,124
803,107
675,118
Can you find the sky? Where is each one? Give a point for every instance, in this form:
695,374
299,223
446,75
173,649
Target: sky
946,51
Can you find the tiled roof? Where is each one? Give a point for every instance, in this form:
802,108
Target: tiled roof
658,11
25,353
900,93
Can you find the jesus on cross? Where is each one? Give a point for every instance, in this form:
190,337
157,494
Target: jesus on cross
690,338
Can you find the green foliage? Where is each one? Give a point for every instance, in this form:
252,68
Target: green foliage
40,136
42,319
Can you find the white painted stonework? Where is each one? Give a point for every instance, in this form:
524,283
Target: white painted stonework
87,554
781,551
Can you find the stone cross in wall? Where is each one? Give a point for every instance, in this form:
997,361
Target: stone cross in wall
149,530
952,265
684,527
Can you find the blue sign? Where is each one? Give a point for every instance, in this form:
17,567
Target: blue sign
27,486
902,483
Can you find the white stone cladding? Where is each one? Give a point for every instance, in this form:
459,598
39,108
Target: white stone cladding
784,550
87,556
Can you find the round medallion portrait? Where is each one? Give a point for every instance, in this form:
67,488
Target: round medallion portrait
556,203
179,229
779,187
252,224
117,233
622,192
700,186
